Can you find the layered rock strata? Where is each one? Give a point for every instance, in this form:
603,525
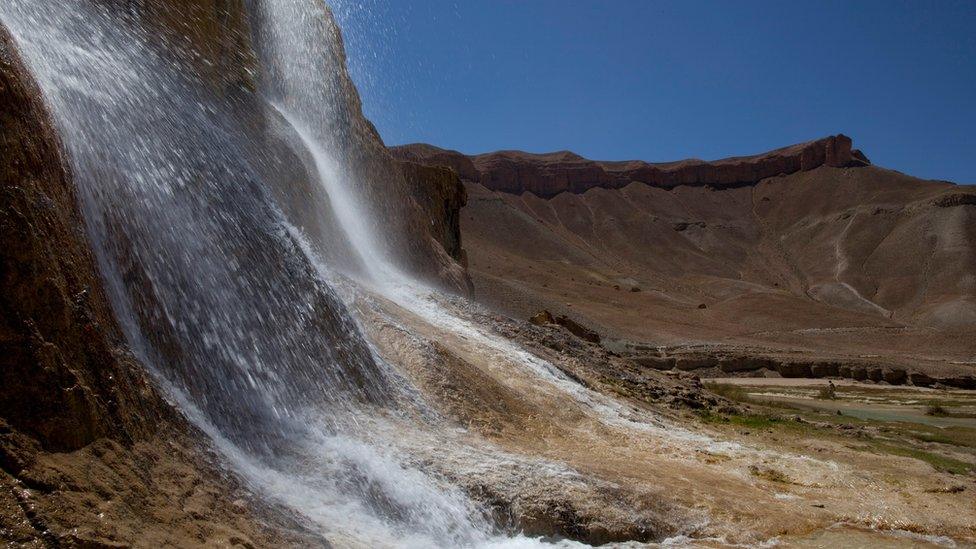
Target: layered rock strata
547,175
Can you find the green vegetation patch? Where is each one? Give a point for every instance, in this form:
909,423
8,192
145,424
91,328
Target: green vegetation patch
937,461
751,421
941,410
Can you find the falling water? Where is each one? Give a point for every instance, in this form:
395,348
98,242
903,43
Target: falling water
211,287
297,44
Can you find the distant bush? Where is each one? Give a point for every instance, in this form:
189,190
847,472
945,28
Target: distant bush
827,393
936,410
732,392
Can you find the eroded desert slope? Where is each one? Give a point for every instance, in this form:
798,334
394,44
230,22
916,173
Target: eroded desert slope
805,254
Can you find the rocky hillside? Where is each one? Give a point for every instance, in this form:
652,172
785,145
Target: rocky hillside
803,254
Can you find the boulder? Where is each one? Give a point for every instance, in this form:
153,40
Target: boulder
578,329
542,318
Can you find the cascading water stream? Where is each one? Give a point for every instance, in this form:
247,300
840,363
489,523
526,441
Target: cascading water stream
212,290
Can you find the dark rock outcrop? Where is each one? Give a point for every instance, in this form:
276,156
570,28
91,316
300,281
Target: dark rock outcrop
542,318
720,363
549,174
950,200
62,378
545,317
440,195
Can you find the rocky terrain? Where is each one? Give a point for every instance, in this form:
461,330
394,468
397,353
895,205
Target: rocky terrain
804,261
718,464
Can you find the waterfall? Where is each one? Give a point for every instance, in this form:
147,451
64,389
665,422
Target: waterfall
215,293
227,303
296,40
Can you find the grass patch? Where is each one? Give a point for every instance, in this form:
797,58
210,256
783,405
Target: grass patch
731,392
933,437
936,410
751,421
939,410
955,436
938,462
905,439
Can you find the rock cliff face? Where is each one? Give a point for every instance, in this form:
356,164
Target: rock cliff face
547,175
57,328
441,195
434,156
212,37
398,196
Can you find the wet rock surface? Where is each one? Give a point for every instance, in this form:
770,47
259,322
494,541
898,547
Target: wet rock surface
90,452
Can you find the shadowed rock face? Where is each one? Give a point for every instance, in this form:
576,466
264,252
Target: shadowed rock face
57,329
441,195
78,414
547,175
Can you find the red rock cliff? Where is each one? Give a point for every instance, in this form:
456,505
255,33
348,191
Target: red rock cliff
553,173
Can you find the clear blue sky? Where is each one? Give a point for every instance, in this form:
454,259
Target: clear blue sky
668,80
